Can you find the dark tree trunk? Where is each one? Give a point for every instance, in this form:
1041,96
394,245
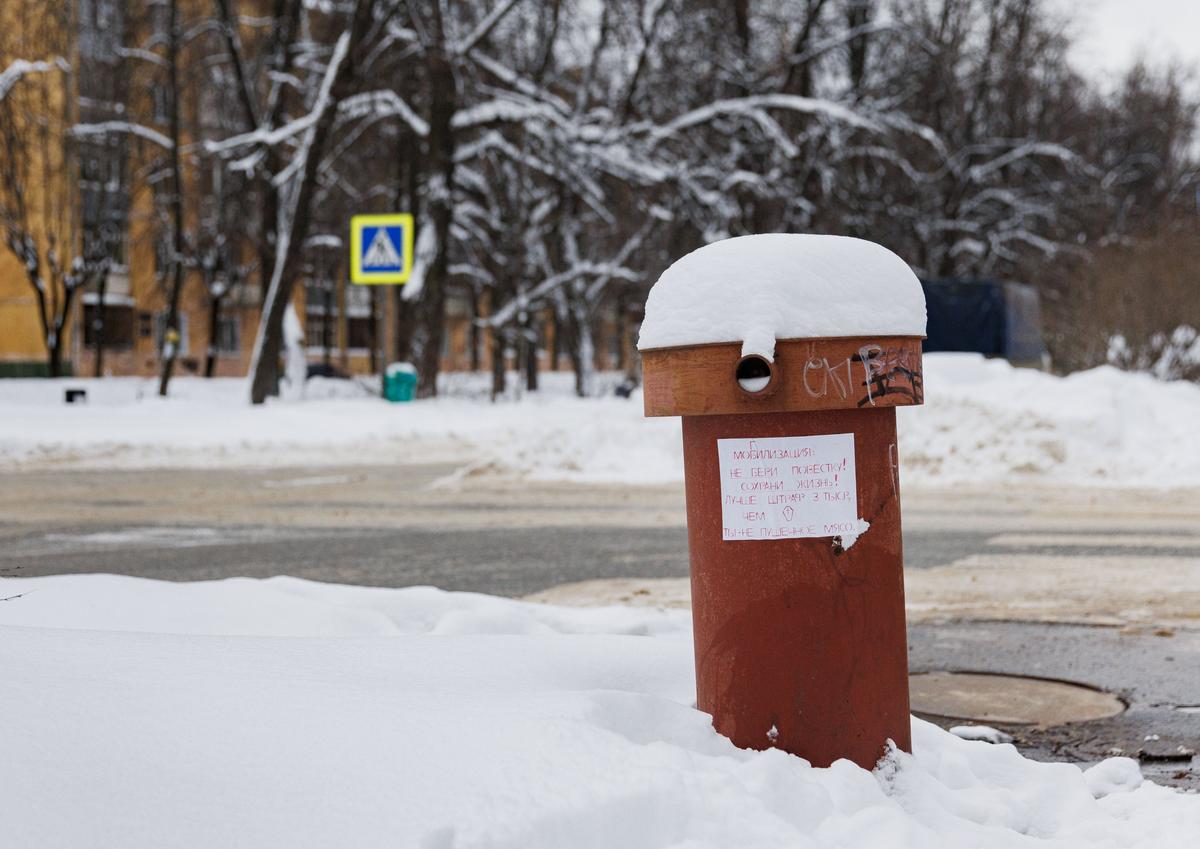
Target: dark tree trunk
379,354
171,337
214,320
556,342
857,15
397,323
407,199
620,327
287,267
530,343
799,77
373,353
572,339
54,359
499,365
286,14
443,104
474,336
98,327
327,321
531,368
53,325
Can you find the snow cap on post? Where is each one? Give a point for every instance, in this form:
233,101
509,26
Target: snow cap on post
787,321
756,289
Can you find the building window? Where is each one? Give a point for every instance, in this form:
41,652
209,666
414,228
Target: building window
312,333
160,22
228,335
162,105
321,311
358,300
360,323
104,199
118,327
361,333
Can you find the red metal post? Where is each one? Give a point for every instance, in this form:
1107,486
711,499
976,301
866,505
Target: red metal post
801,645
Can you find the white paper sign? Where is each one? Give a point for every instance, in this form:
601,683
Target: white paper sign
788,487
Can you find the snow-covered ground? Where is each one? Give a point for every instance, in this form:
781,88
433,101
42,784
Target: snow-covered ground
983,422
274,713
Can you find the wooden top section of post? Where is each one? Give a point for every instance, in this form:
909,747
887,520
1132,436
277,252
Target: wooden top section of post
806,374
783,322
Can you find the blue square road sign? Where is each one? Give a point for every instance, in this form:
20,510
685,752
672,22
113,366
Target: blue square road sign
381,248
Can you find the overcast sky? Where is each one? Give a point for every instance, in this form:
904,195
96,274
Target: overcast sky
1113,33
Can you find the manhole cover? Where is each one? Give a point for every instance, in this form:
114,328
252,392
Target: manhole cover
1008,699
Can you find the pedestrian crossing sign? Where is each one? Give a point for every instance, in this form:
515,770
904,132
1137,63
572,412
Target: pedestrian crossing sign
381,248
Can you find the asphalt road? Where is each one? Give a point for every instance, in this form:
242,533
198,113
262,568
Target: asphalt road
400,526
502,561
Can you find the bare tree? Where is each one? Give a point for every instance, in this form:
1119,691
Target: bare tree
557,155
39,211
177,250
298,183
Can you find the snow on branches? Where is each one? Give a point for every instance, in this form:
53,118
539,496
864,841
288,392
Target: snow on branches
18,69
556,154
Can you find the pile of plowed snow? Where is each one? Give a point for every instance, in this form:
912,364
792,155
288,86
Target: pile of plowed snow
983,422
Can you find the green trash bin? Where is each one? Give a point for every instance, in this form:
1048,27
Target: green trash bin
400,382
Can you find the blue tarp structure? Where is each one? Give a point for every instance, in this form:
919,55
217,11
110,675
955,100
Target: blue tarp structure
985,316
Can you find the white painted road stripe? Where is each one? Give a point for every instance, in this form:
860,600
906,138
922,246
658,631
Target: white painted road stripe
1098,540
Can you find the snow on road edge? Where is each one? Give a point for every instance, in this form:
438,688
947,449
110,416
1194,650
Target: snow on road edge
983,421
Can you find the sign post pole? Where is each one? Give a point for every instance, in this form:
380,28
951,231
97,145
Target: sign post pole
381,253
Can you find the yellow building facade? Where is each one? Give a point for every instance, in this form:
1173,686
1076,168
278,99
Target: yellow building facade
80,185
38,224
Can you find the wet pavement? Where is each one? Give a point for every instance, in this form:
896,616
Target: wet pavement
1155,672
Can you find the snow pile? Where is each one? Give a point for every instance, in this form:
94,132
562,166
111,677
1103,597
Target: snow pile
756,289
416,718
983,422
549,434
